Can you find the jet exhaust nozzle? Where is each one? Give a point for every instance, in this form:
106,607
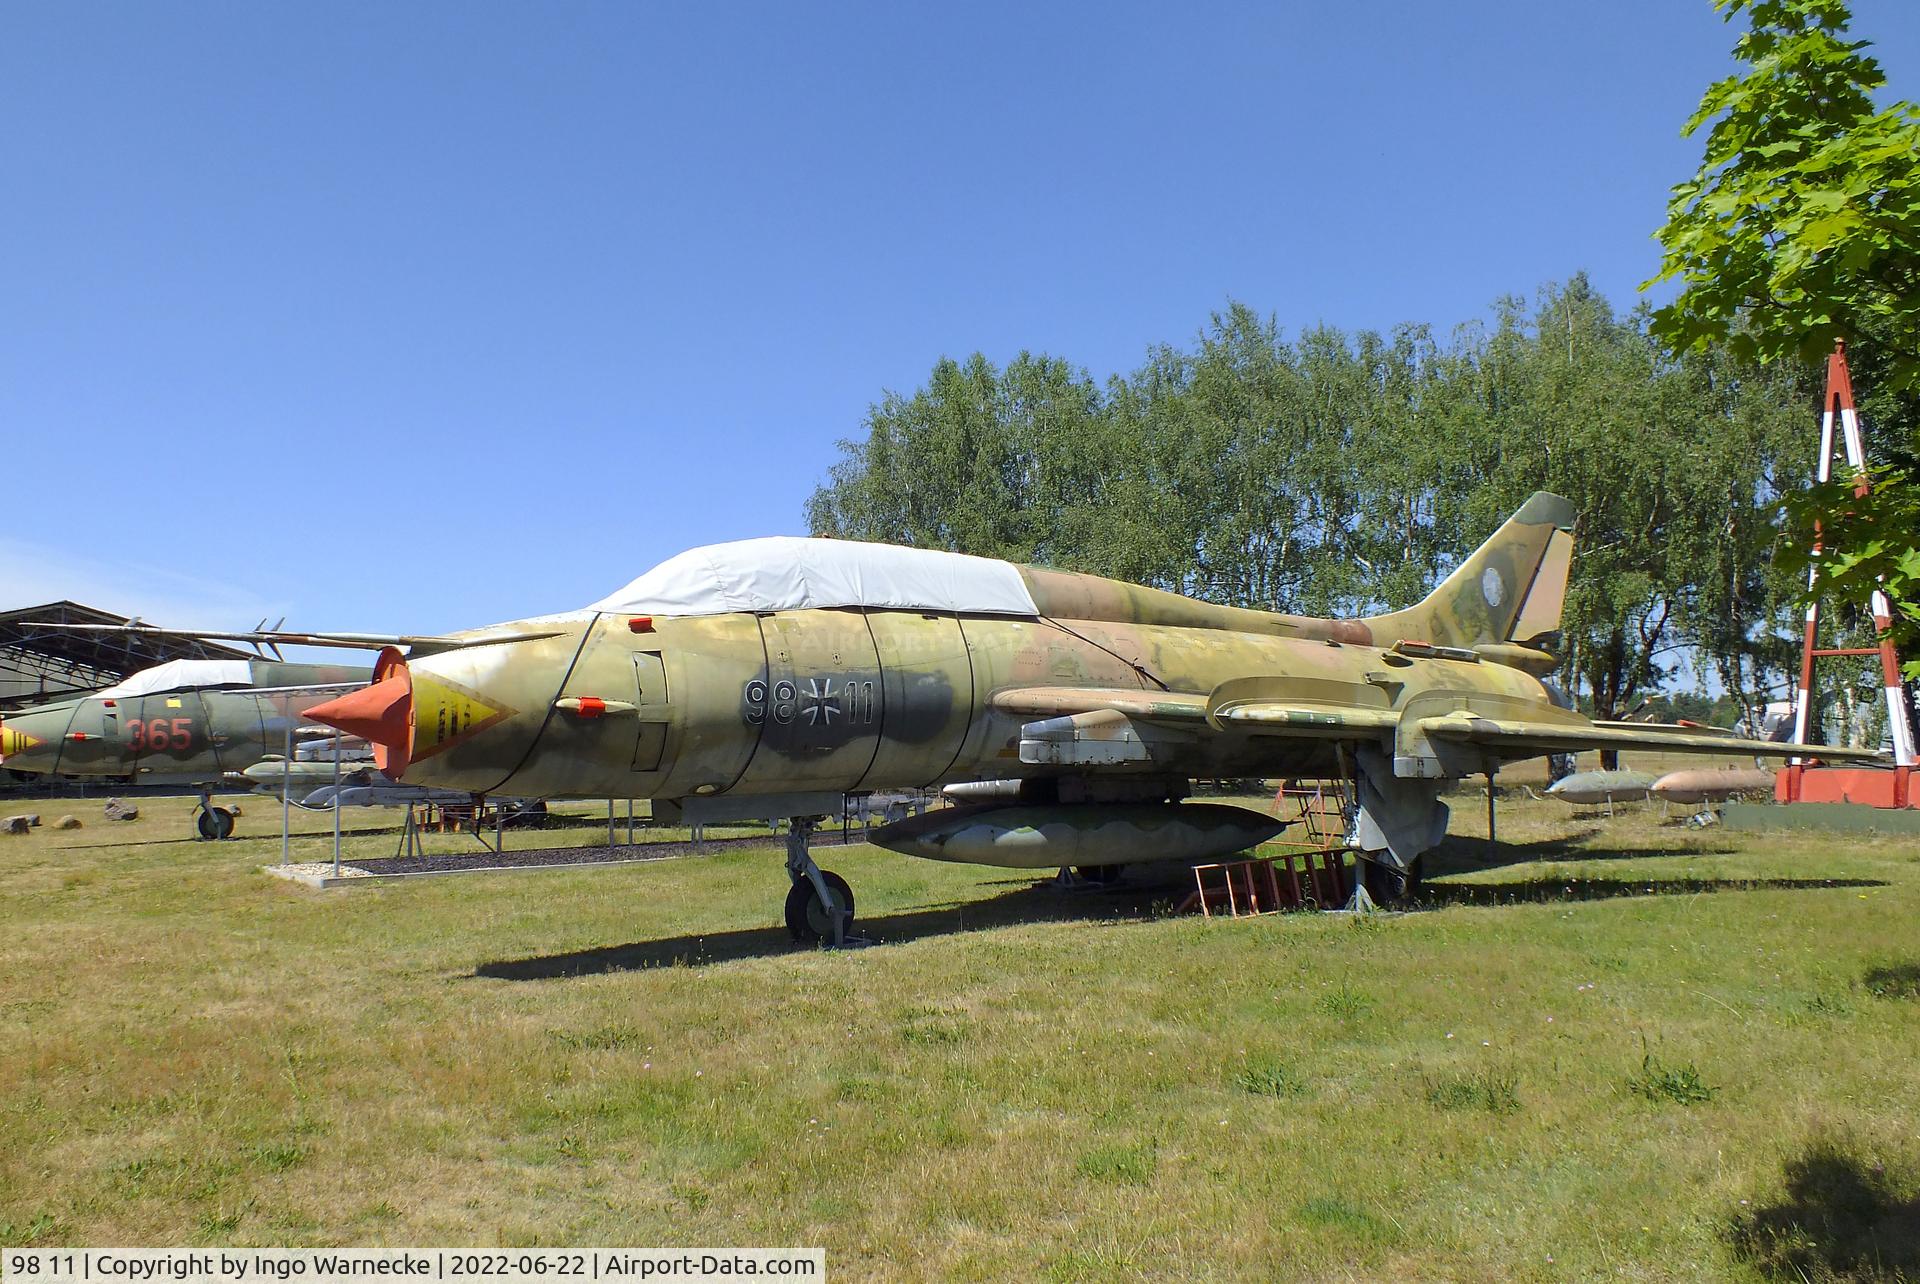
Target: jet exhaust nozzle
381,713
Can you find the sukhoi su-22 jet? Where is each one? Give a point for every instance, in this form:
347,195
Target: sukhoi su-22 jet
1066,713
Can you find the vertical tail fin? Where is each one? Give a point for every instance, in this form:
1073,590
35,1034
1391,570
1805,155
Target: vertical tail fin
1510,589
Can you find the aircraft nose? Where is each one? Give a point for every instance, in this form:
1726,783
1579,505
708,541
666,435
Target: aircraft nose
18,744
381,713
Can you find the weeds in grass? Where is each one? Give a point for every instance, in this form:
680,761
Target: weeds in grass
1680,1083
1343,1215
1121,1165
1496,1091
1265,1078
1842,1215
1098,1264
1829,1003
1345,1003
278,1156
221,1223
606,1039
860,1088
934,1027
692,1194
42,1229
944,1133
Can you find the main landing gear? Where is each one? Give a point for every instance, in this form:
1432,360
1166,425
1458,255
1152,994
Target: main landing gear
1387,885
212,823
819,904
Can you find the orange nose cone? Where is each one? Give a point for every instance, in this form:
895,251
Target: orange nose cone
380,713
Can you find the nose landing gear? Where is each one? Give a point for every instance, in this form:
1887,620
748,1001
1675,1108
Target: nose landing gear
212,823
819,904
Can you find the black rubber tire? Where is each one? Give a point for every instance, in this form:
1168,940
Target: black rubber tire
806,918
214,823
1385,884
1100,875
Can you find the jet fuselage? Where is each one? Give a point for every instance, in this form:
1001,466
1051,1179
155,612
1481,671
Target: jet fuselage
846,700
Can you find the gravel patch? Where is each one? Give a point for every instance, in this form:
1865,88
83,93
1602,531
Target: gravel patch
316,869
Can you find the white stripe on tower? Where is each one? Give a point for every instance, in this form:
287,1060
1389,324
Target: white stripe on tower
1850,431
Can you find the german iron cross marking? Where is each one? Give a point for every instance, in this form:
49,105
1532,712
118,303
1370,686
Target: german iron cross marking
822,704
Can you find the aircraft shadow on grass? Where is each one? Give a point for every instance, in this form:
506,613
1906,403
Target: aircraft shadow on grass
1841,1215
1475,855
1031,902
1027,903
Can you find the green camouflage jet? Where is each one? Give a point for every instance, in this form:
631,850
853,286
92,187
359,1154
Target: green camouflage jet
187,722
1066,712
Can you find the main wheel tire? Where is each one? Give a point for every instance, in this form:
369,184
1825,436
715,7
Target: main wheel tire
214,823
1384,883
807,918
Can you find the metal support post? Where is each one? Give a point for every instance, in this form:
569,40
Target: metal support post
286,799
336,806
1490,832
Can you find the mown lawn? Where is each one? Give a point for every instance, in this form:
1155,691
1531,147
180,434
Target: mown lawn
1650,1053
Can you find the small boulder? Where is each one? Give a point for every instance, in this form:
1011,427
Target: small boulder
18,824
234,808
67,822
117,810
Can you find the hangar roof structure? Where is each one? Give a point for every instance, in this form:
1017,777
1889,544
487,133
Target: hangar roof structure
37,665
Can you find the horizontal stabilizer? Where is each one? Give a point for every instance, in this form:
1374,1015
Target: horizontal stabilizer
1560,737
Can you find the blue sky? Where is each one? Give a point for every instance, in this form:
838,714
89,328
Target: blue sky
409,317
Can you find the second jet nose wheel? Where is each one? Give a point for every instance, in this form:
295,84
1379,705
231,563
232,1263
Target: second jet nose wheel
214,823
808,919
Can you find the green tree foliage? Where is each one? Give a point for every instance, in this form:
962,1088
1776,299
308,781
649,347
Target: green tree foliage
1339,474
1801,227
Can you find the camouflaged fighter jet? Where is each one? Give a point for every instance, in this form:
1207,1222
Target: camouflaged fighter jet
1066,712
186,722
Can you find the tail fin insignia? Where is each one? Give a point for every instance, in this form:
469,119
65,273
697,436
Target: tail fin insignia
1510,589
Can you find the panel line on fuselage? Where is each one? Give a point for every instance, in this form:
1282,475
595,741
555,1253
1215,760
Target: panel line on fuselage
880,691
547,715
760,728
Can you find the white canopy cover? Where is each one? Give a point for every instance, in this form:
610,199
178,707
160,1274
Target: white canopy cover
790,573
182,675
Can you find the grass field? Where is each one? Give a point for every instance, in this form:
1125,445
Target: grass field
1647,1052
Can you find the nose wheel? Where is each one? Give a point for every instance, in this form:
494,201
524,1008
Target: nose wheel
811,919
213,823
819,904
